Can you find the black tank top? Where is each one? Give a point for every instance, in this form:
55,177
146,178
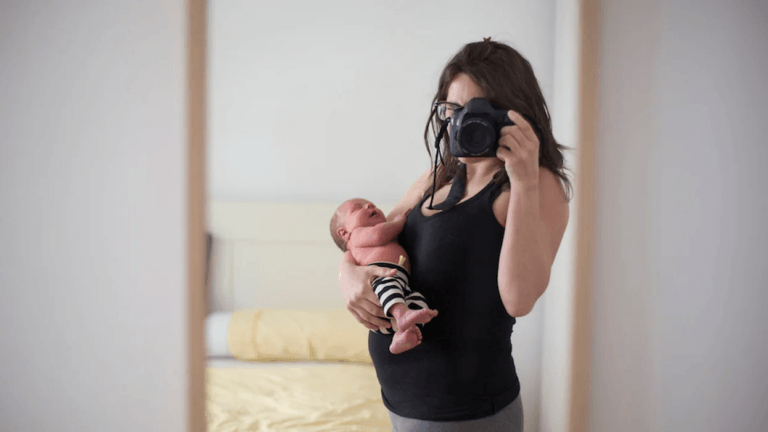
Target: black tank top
463,369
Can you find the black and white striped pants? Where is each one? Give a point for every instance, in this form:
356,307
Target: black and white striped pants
394,289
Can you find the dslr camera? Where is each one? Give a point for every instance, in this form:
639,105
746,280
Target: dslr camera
476,129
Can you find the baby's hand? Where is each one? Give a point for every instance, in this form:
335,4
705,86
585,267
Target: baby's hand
401,217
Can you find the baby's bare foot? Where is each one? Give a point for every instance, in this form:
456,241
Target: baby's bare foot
413,317
403,341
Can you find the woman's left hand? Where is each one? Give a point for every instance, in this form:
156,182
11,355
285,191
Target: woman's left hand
519,149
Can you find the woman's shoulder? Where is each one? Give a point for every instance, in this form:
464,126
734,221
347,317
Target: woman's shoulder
412,196
551,194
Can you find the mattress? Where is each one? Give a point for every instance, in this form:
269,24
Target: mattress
293,396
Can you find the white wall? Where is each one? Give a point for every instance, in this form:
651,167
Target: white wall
322,101
93,224
327,100
557,302
680,327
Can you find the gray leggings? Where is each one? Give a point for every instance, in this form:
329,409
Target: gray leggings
509,419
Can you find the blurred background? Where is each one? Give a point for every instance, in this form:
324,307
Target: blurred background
661,327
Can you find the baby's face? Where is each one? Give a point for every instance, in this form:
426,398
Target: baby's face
360,213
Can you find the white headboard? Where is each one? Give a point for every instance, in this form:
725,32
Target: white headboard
273,255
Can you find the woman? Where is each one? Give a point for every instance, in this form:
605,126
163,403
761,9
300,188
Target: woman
480,263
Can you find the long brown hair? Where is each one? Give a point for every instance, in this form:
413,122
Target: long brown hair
507,81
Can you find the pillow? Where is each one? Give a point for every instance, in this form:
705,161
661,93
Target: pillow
297,334
216,326
208,250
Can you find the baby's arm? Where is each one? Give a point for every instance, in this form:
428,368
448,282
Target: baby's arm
378,235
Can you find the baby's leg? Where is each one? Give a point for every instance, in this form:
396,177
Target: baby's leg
407,318
389,291
404,340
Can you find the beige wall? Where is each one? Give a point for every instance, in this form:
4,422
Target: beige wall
681,242
93,228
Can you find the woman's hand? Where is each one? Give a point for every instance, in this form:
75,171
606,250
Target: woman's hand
362,303
519,149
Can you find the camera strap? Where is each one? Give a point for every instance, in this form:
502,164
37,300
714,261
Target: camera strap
457,190
459,181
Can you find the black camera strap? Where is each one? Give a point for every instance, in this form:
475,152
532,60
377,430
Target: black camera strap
457,190
459,181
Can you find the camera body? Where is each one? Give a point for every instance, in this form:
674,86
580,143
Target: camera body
476,129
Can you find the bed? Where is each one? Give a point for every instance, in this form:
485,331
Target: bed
283,353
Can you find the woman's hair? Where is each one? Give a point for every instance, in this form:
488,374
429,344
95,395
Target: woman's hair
507,81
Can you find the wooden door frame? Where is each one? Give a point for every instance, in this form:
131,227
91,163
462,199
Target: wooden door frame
196,11
588,116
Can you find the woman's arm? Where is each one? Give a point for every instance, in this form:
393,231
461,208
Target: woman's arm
535,217
355,281
361,302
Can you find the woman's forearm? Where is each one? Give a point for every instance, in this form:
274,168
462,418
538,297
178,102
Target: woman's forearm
523,266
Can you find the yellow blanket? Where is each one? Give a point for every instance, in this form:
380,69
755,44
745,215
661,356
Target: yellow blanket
336,397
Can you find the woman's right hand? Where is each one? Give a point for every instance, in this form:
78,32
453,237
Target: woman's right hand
362,303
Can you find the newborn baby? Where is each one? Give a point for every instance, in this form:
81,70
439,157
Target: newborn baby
361,230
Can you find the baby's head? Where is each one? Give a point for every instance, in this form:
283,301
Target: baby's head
352,214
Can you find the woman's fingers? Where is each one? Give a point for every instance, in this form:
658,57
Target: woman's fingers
508,150
381,272
377,320
519,149
369,316
361,301
523,125
509,143
362,321
373,307
517,137
366,303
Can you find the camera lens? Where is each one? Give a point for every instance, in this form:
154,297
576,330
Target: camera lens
476,136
